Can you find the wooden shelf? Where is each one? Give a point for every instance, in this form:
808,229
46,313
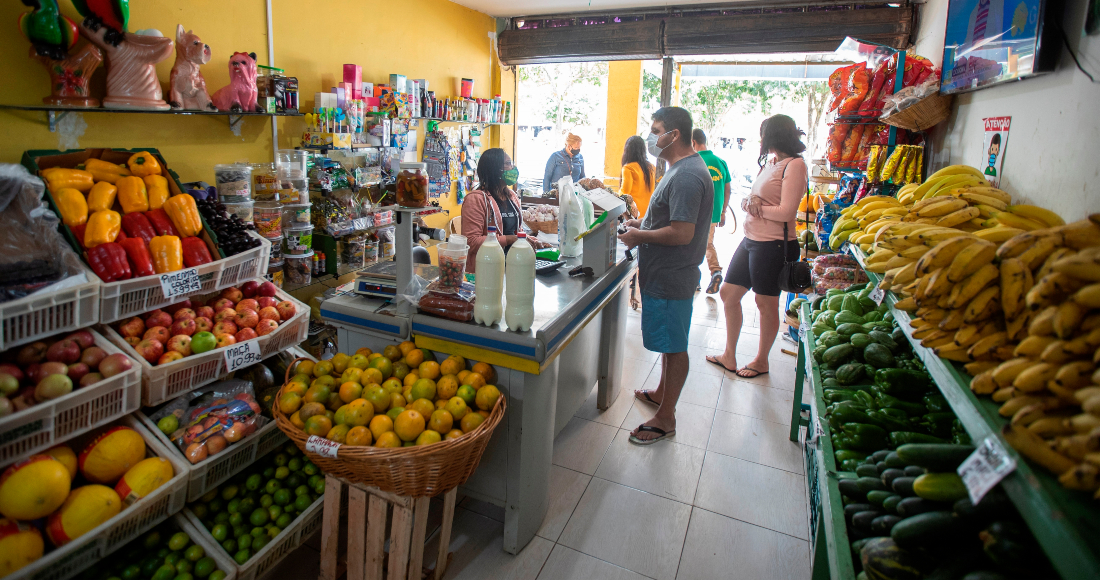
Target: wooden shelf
55,114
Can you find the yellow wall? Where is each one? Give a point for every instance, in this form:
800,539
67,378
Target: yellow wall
624,88
435,40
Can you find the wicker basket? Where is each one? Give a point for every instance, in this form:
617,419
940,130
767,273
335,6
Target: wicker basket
543,227
421,471
925,114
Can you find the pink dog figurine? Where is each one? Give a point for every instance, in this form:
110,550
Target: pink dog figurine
240,94
188,88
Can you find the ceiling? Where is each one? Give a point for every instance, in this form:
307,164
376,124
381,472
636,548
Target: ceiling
532,7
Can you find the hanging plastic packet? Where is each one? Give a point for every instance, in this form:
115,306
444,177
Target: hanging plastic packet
212,419
571,222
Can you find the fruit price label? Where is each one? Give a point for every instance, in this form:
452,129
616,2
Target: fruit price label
878,294
181,283
985,468
322,446
241,355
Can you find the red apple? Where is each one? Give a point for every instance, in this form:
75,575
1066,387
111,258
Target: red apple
247,304
225,327
180,343
196,302
133,340
115,364
266,289
249,289
132,327
63,351
13,371
184,314
225,340
159,318
90,379
51,368
33,375
158,333
186,327
233,294
169,357
270,313
265,301
286,309
150,349
204,312
222,304
245,334
173,308
247,318
93,356
266,326
225,314
34,352
203,324
77,371
83,338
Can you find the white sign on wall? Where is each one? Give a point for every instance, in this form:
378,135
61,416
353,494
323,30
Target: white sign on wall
996,139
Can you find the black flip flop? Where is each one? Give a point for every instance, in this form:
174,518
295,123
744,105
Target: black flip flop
662,434
715,362
746,368
647,398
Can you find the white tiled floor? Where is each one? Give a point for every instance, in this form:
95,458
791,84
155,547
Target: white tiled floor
723,498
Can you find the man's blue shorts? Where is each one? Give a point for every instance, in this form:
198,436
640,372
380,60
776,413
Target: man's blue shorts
665,324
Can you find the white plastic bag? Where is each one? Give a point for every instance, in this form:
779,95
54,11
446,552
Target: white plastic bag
571,222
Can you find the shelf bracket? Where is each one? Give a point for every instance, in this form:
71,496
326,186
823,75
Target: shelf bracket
54,117
234,120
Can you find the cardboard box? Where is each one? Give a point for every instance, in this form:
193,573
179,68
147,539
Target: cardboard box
353,74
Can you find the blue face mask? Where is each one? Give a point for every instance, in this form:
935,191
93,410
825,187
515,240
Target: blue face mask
511,176
992,159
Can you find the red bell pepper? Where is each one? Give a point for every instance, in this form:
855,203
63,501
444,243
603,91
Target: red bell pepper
136,225
78,233
195,252
108,261
141,261
161,222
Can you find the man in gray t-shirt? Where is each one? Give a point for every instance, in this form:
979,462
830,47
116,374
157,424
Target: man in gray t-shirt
672,241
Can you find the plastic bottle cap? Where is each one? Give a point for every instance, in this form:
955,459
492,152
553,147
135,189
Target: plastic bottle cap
521,235
492,229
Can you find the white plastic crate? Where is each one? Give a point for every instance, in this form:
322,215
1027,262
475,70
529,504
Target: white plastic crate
119,300
166,382
45,314
212,549
76,556
47,424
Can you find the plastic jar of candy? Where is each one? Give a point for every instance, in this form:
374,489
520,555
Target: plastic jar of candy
291,161
412,185
452,265
275,272
296,215
268,218
265,184
370,251
350,251
234,182
298,241
242,209
276,247
299,268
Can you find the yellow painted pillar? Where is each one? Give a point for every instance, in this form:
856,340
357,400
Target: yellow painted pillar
624,88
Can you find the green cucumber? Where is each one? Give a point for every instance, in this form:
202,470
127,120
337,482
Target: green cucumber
935,456
890,475
862,520
880,455
891,504
926,529
844,454
867,484
882,525
914,471
866,470
855,508
876,497
903,486
892,460
912,506
940,487
849,488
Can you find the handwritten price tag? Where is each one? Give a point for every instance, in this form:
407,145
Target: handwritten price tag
878,294
242,355
181,283
985,468
322,446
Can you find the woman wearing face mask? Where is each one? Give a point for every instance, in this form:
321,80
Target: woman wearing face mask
567,161
638,176
493,204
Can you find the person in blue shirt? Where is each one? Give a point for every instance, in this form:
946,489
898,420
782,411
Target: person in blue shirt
568,161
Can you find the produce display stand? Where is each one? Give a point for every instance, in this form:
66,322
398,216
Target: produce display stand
1066,523
212,549
44,425
48,313
165,382
73,558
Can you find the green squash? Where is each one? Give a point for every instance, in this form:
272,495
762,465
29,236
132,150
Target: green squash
872,316
884,339
879,356
836,303
849,374
848,329
851,304
838,354
861,340
847,317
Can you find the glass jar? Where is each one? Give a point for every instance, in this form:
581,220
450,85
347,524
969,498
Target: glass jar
412,185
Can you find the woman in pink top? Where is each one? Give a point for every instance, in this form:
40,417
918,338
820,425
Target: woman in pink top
772,207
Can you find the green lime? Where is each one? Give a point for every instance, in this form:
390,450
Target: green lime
209,496
230,546
254,482
178,541
319,488
172,558
302,502
313,479
272,530
291,450
222,517
242,556
259,517
185,576
295,464
217,575
272,486
132,572
301,490
282,473
269,473
310,469
234,506
266,500
258,531
161,553
247,505
216,506
284,521
260,542
293,481
229,492
194,553
149,567
200,510
165,572
183,566
239,531
244,542
151,540
274,512
282,497
236,519
205,566
281,459
220,532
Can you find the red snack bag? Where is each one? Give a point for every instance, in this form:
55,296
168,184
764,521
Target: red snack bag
851,145
858,85
837,134
838,84
878,77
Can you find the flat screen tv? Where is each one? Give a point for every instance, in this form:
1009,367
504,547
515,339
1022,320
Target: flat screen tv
990,42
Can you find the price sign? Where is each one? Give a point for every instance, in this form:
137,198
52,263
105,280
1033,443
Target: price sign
878,294
322,446
985,468
242,355
180,283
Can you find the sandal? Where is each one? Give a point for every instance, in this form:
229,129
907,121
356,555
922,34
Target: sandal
755,372
662,434
645,398
714,361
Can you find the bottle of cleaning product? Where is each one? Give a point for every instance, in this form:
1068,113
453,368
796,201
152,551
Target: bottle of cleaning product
489,282
520,312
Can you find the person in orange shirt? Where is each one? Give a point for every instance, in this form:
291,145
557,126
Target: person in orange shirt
639,177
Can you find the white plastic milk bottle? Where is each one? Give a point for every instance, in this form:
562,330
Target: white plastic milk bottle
489,282
520,311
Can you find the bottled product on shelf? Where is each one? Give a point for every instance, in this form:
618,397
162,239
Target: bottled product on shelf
489,282
520,271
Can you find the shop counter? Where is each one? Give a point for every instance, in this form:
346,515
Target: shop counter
355,315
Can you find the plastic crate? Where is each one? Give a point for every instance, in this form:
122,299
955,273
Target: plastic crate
287,541
45,314
47,424
76,556
166,382
119,300
212,549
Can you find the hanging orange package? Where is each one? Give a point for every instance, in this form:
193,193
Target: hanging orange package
838,84
858,85
836,142
851,145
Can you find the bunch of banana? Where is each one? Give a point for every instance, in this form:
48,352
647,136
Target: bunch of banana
944,180
854,218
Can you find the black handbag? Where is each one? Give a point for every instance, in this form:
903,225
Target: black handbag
794,277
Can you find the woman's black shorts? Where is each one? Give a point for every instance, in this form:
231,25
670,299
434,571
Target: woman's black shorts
756,265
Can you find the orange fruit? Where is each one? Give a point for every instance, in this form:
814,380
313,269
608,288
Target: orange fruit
427,437
406,347
380,424
364,351
409,425
468,394
392,352
304,367
462,376
358,436
440,403
486,371
453,434
429,370
359,361
394,412
372,376
424,389
296,387
318,425
422,406
428,355
457,408
317,394
484,414
471,421
359,413
384,366
397,400
400,369
340,362
338,433
447,386
452,365
414,357
350,391
310,409
487,397
411,378
440,421
325,381
296,420
331,415
352,375
340,417
377,397
289,403
475,380
407,392
392,386
323,368
334,402
388,439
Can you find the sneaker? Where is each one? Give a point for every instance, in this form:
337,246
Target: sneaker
715,282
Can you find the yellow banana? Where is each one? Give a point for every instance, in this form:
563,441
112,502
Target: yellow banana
922,287
1034,448
1089,296
879,256
1017,327
906,305
925,203
985,346
1034,378
941,255
1067,318
1033,346
1082,266
1049,289
1055,353
877,267
986,212
982,383
979,199
1017,221
971,259
938,285
914,252
965,291
1048,263
945,185
906,274
1036,254
990,192
1036,213
978,367
967,335
937,339
958,170
1015,283
924,188
1042,324
1006,372
958,217
898,261
1080,234
948,205
984,305
1018,244
1074,375
953,321
998,234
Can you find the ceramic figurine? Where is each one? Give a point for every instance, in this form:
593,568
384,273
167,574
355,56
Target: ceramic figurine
240,94
52,35
131,56
188,88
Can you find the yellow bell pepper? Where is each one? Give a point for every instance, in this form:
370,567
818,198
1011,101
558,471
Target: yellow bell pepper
183,212
144,163
157,186
72,206
105,171
132,194
102,196
167,254
60,178
103,227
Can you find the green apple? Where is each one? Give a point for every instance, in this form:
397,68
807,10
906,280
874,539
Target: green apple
202,342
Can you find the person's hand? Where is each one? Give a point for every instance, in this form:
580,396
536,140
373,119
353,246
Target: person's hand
633,223
722,220
537,243
631,237
755,206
